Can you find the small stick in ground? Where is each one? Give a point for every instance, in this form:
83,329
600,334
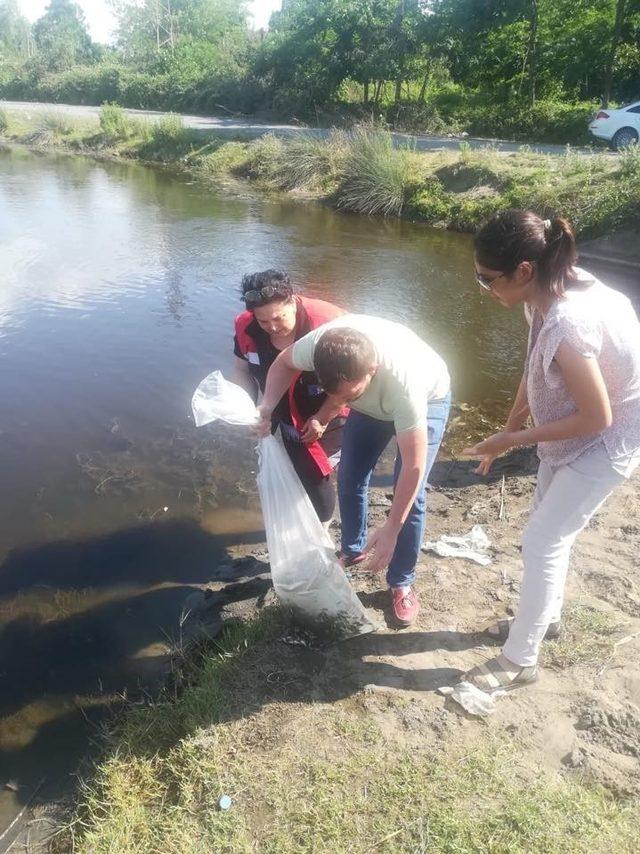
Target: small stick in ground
501,513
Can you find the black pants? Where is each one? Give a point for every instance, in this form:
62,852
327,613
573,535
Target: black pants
318,487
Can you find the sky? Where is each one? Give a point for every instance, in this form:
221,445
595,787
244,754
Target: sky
101,21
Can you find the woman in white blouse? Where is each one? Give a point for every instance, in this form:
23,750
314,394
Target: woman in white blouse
581,386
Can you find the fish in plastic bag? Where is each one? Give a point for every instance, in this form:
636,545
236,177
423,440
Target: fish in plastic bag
305,571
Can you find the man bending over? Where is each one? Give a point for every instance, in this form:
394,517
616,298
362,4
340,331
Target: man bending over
394,384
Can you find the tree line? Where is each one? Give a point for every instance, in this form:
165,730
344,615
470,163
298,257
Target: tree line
411,61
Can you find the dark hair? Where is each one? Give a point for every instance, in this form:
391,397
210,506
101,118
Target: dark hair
342,354
265,287
513,236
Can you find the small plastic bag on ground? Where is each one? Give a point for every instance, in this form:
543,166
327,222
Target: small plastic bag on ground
305,572
472,699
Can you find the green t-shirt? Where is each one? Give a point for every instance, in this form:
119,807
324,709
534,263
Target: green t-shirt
409,375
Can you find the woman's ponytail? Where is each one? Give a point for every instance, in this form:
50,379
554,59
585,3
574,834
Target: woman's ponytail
555,266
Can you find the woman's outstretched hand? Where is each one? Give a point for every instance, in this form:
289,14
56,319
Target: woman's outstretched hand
491,448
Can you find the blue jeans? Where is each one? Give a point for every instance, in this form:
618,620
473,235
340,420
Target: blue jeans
363,441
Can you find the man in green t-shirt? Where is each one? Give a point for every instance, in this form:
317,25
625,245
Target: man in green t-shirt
394,384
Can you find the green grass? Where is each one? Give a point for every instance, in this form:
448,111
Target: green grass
4,121
630,160
310,162
376,175
198,687
57,124
362,171
471,804
114,123
318,777
169,130
588,637
219,159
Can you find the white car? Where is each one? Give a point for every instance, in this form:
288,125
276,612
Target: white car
621,128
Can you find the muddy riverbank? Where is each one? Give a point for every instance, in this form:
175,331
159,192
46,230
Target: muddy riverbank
376,696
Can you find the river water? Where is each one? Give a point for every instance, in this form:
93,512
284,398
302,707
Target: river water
119,285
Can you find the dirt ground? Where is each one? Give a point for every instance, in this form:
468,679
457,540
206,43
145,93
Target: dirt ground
583,715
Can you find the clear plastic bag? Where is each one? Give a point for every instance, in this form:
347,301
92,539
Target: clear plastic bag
305,572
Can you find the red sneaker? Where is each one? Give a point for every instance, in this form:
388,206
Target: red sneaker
406,605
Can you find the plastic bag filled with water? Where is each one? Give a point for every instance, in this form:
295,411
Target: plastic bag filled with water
305,571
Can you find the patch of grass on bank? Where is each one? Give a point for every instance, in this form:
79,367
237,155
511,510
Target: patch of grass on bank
217,159
312,776
57,123
115,125
588,637
203,690
4,121
362,171
376,176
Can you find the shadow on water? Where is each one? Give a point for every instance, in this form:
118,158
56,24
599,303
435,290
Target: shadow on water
169,551
83,624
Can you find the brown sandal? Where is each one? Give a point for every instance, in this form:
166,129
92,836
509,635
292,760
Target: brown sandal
504,626
492,678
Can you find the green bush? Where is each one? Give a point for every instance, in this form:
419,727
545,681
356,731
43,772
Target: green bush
629,160
114,123
430,203
458,110
484,114
191,88
376,175
168,131
266,159
141,129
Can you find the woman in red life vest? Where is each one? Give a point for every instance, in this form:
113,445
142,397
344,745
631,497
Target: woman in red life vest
274,319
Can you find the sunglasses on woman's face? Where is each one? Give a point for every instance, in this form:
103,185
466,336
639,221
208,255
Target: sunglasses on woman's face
485,282
268,292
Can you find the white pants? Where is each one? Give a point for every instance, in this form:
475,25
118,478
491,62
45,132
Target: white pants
565,500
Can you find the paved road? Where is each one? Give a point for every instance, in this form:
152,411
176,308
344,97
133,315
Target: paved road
235,127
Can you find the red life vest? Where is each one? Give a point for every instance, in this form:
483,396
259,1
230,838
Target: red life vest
317,313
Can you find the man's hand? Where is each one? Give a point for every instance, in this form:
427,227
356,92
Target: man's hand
380,548
312,431
491,448
263,427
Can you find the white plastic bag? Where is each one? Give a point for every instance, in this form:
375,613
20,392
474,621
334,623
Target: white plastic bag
472,546
472,699
305,572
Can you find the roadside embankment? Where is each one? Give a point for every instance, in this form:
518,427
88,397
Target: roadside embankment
363,171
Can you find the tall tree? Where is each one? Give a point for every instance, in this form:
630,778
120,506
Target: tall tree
61,36
621,8
533,51
14,31
152,27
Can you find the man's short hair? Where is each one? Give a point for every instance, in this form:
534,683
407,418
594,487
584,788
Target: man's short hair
343,354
